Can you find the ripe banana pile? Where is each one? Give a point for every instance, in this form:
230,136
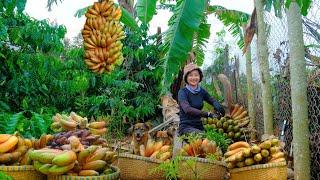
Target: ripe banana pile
93,161
201,148
53,161
42,141
241,154
68,123
13,149
98,128
76,140
156,150
102,34
74,121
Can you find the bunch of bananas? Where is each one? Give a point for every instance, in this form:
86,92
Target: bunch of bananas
98,128
68,123
53,161
102,34
42,141
93,161
64,140
13,149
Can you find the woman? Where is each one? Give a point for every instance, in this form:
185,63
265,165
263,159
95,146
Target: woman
191,98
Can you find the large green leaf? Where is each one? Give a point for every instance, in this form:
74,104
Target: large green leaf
145,10
81,12
200,41
178,40
233,19
128,20
303,4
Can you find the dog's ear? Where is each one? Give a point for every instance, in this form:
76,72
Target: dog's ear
130,130
170,132
147,125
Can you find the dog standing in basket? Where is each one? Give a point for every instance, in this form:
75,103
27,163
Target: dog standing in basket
140,136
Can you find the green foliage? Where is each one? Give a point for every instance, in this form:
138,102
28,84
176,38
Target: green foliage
28,124
128,20
185,21
170,168
221,141
202,36
278,6
145,10
81,12
232,19
4,176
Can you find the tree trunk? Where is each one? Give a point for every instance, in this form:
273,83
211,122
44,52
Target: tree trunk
251,109
226,61
298,79
264,69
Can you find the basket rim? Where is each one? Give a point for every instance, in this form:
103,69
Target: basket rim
259,166
17,168
204,160
133,156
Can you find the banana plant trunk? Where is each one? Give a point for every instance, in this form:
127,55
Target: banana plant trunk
298,83
264,69
252,111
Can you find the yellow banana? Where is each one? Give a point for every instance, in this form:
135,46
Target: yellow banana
4,137
95,23
95,60
97,66
96,6
97,155
9,144
90,41
89,62
97,125
101,70
59,170
98,131
87,28
67,122
93,11
89,15
88,173
65,158
94,165
86,152
105,53
28,143
88,46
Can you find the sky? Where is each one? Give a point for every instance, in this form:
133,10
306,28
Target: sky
63,14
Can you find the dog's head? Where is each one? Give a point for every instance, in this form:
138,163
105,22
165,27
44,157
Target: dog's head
165,136
139,131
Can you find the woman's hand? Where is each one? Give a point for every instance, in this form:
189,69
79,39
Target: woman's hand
219,108
213,115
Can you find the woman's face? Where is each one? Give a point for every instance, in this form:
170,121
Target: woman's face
193,78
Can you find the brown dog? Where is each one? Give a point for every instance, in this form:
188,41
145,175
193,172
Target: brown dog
140,136
165,136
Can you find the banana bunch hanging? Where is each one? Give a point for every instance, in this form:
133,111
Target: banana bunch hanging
102,34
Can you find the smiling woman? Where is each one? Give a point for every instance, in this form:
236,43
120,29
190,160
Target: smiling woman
191,98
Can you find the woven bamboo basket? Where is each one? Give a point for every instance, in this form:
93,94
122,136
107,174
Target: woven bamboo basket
26,172
200,168
135,167
113,176
272,171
